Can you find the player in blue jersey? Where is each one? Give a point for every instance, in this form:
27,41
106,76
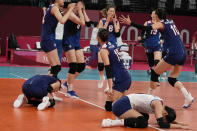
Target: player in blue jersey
37,91
152,43
72,48
119,79
175,57
48,44
111,23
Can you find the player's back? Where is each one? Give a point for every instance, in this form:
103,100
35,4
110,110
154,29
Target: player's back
71,28
142,102
49,25
118,69
172,38
152,38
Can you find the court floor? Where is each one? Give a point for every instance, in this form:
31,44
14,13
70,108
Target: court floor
87,112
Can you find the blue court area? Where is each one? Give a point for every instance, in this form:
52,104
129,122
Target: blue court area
27,72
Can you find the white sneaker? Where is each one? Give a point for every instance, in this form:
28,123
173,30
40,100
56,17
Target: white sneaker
106,123
188,101
107,88
19,101
101,81
45,103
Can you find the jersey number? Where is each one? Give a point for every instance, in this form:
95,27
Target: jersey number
175,30
111,28
153,32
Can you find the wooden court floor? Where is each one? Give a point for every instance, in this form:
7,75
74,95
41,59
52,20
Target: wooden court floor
84,114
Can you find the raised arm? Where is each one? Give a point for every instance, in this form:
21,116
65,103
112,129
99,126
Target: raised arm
62,19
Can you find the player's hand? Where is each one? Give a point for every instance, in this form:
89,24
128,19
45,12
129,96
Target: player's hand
110,92
125,20
115,19
71,5
186,128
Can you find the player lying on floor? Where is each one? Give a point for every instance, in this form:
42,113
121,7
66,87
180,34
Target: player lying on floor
133,111
37,91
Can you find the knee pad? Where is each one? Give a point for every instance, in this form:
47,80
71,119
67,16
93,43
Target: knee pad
55,70
146,116
156,62
80,67
139,122
108,106
72,67
100,66
172,81
154,76
150,57
52,102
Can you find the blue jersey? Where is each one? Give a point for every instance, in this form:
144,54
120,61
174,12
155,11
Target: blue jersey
111,29
49,25
172,39
36,86
120,74
71,36
152,39
176,52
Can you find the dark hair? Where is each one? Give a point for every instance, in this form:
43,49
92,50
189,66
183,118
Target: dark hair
171,114
103,34
160,13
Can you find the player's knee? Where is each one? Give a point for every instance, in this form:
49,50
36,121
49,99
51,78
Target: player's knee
55,70
100,66
172,81
139,122
108,106
146,116
80,67
156,62
52,102
154,76
72,67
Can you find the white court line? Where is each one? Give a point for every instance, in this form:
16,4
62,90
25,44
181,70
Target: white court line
87,102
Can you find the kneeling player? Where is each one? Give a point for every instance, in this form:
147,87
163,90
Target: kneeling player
133,111
37,91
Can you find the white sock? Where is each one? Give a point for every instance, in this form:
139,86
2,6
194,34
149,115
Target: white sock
118,122
150,91
102,77
184,92
70,87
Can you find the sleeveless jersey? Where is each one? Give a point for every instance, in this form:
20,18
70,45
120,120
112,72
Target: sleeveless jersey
119,72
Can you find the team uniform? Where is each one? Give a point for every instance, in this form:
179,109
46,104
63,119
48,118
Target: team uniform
152,42
139,102
36,87
110,28
71,36
48,31
120,76
176,52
